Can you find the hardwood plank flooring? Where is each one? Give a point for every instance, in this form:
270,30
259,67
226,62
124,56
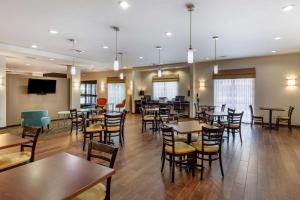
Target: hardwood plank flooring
266,166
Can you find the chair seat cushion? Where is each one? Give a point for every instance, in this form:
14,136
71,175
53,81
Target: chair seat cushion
94,128
283,117
13,159
207,149
98,192
183,138
180,148
149,118
113,128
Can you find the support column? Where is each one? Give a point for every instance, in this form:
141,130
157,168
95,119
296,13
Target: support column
74,88
192,89
2,91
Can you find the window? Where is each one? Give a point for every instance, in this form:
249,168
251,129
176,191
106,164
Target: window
165,89
88,93
235,93
116,93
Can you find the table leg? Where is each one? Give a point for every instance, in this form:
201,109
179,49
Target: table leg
270,119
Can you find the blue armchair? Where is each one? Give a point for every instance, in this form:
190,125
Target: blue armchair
39,118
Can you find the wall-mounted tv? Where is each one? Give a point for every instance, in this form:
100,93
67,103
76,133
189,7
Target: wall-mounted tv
41,86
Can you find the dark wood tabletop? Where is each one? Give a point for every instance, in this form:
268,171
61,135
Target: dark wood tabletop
8,140
271,108
188,127
62,176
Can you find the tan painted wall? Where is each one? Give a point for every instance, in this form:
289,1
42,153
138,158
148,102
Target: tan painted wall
19,100
270,82
101,78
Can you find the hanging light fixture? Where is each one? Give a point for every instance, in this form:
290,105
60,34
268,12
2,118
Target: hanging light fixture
121,63
216,67
190,57
73,68
159,72
116,61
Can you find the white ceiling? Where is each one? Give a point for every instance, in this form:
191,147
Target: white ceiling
246,28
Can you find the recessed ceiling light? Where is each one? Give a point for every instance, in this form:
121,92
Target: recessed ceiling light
105,47
168,34
51,59
54,32
124,4
141,57
273,51
277,38
288,8
27,64
34,46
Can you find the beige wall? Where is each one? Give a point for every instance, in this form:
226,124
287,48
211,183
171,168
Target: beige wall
101,78
19,100
270,82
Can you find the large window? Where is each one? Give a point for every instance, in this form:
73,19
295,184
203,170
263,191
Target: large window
165,89
235,93
116,93
88,93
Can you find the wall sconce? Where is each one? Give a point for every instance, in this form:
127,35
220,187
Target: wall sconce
102,86
291,82
202,85
76,84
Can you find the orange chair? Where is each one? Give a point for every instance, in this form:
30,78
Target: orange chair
101,102
121,105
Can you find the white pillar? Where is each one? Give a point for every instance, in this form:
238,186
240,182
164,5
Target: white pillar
2,91
74,88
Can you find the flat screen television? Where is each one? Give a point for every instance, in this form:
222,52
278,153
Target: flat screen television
41,86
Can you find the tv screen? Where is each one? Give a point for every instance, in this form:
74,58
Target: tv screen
41,86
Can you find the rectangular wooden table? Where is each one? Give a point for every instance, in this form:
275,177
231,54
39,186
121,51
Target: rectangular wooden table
8,140
189,127
62,176
271,109
217,114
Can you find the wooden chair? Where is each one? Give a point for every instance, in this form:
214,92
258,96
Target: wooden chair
75,120
286,119
210,147
147,119
121,105
256,118
173,149
90,131
113,127
12,160
105,154
234,124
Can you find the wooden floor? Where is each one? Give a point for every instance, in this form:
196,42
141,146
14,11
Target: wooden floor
266,166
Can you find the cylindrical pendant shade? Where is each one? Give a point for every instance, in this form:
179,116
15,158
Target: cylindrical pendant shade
159,72
121,76
216,69
190,56
73,70
116,65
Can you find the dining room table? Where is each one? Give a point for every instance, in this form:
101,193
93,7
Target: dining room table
189,127
271,109
61,176
218,114
8,140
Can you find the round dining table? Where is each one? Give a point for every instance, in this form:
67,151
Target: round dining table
271,109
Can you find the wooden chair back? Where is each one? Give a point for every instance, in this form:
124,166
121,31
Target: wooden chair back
31,133
223,107
251,110
230,111
212,137
168,137
235,118
290,112
73,114
106,154
112,121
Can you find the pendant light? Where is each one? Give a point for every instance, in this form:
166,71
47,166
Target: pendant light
116,61
216,67
121,62
73,68
190,58
159,72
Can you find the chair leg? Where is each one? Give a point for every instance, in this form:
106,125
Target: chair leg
228,134
76,128
202,167
251,122
240,135
209,162
290,124
163,161
221,165
173,168
142,127
71,127
262,122
84,141
194,163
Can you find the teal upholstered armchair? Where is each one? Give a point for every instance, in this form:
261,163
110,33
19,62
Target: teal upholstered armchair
38,118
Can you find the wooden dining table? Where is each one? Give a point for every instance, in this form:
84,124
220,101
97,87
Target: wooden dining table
8,140
189,127
62,176
218,114
271,109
